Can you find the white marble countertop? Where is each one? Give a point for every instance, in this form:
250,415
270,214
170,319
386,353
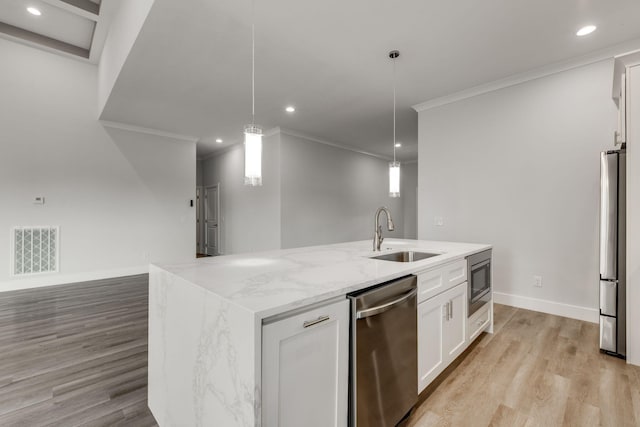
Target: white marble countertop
273,282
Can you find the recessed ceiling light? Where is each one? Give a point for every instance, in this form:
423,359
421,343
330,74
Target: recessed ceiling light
290,109
34,11
398,144
588,29
219,140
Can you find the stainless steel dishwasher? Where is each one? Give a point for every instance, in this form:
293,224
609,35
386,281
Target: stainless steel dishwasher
384,353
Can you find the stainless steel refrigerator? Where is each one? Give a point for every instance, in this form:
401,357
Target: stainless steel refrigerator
613,207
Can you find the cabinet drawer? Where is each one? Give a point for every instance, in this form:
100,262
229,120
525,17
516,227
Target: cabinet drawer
479,321
433,282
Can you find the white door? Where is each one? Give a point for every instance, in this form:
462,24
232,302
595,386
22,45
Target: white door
211,214
305,369
199,245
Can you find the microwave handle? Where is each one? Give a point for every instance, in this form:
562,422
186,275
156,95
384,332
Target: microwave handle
480,265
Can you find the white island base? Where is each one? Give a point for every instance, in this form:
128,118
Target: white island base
206,323
204,356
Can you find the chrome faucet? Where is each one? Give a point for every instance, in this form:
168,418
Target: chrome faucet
377,237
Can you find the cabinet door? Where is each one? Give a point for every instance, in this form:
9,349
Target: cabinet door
455,328
431,318
305,362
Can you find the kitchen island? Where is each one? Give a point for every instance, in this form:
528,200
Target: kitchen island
206,319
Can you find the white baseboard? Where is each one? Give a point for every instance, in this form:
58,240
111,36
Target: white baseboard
64,279
546,306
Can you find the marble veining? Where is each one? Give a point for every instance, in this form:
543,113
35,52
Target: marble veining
202,356
273,282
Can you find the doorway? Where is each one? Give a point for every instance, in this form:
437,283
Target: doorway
211,218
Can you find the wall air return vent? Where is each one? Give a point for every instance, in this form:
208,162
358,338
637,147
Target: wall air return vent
34,250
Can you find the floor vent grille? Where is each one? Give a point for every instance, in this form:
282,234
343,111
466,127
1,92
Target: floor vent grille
35,250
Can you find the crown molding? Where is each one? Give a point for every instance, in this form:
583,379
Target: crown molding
331,143
218,152
272,131
516,79
148,131
228,147
280,130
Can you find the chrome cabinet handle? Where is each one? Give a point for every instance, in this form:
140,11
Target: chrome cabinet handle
385,307
447,311
451,305
315,322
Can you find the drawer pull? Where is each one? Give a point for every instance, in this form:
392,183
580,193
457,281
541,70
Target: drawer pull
315,322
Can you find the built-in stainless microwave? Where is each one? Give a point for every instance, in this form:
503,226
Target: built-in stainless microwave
479,279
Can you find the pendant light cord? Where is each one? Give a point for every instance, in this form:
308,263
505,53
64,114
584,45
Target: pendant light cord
253,63
394,110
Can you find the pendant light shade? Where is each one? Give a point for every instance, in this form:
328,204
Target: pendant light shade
252,155
394,179
394,167
253,133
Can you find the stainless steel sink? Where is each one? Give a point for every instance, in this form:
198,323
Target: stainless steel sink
405,256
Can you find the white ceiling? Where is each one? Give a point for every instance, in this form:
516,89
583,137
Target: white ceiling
56,23
74,28
189,70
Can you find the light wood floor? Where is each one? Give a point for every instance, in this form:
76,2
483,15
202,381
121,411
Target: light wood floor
75,355
535,370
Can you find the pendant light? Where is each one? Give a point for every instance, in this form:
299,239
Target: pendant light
394,167
252,132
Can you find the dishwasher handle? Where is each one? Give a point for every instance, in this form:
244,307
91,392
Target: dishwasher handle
385,307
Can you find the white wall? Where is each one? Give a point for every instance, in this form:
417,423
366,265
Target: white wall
123,32
330,195
120,198
312,194
409,195
519,168
633,217
199,178
250,216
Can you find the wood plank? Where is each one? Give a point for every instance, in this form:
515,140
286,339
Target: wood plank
75,354
535,370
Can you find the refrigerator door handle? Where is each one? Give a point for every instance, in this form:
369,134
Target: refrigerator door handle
608,298
608,216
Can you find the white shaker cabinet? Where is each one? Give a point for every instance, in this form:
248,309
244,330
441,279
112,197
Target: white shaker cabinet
621,92
442,336
305,363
